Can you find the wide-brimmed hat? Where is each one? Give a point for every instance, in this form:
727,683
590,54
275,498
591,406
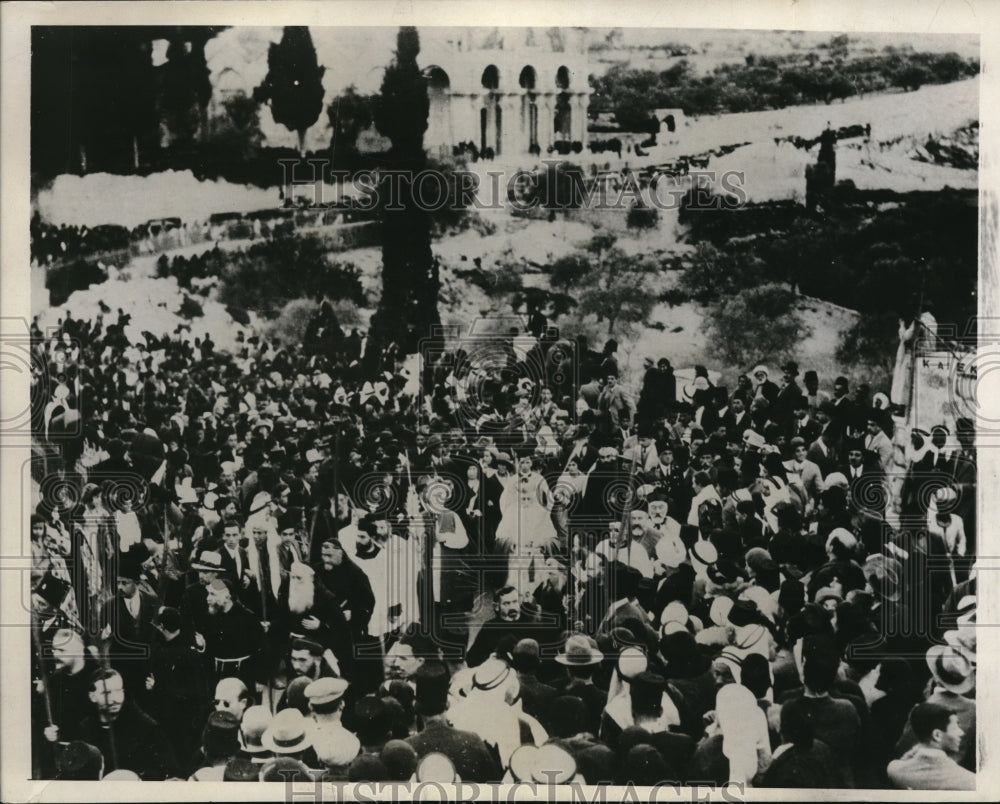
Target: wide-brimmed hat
491,674
704,552
963,639
699,384
966,610
829,593
951,668
883,575
287,733
255,721
503,458
578,652
208,561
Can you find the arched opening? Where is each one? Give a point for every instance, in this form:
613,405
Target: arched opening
671,125
489,120
439,113
529,106
491,78
563,115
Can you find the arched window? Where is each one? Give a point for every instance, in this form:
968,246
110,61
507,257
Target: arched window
528,78
562,78
437,78
491,77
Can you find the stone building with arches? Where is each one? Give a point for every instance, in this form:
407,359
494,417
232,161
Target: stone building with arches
507,89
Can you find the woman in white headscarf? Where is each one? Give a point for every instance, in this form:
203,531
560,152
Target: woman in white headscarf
736,746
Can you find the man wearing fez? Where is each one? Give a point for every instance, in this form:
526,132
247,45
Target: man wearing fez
233,638
127,621
473,761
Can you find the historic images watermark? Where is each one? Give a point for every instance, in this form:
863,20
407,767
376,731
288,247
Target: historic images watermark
555,185
323,792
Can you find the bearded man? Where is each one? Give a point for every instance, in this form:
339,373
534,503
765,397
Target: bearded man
233,639
307,609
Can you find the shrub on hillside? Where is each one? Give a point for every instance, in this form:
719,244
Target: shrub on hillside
756,324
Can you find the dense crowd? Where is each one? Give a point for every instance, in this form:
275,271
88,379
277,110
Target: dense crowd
51,244
309,563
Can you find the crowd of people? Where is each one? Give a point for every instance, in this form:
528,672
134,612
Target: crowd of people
307,563
51,243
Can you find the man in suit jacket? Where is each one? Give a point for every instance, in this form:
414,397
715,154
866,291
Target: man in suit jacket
128,627
841,409
878,443
822,453
783,407
668,478
861,477
580,446
808,472
537,697
802,424
625,611
614,401
236,563
927,765
737,418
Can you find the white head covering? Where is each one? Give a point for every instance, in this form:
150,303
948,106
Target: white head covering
742,723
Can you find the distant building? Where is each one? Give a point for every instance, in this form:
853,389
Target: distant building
502,88
506,89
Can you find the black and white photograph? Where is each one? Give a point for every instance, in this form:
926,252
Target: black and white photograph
566,406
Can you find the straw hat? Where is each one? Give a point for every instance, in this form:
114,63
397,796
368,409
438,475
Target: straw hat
287,733
578,652
951,668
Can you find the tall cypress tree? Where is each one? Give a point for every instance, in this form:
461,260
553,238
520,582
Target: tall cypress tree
407,311
294,82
